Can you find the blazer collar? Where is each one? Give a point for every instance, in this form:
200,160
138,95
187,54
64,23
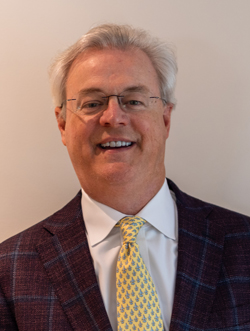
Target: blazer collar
67,261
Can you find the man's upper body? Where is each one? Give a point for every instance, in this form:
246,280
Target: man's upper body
50,283
113,91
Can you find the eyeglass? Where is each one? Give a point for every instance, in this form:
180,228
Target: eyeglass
93,103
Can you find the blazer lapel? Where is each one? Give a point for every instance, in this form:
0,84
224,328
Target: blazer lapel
67,260
200,248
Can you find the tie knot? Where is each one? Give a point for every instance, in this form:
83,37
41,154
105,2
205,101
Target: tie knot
130,227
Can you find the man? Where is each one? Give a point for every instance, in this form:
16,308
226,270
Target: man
113,92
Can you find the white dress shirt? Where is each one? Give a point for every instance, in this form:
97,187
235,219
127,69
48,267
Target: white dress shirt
157,242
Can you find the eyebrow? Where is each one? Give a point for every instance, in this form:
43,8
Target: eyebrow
135,88
89,91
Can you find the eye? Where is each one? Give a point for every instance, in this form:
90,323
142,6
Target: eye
134,102
91,105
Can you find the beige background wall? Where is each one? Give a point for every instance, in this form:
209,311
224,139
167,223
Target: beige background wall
208,150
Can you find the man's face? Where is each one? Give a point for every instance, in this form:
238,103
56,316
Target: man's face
112,72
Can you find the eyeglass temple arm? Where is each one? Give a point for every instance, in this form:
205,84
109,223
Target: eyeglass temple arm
65,102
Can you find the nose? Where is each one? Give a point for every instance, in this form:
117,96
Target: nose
113,115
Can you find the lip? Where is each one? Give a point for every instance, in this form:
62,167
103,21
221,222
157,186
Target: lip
119,148
108,140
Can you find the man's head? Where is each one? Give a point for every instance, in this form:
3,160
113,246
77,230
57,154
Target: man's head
117,117
117,37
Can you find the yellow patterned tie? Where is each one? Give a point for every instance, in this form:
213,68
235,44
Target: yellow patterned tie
137,301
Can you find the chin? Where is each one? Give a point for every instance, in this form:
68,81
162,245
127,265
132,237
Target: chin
118,173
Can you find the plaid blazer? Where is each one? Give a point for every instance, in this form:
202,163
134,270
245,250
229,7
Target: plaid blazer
47,279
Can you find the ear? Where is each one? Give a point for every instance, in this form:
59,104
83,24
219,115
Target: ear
61,122
167,117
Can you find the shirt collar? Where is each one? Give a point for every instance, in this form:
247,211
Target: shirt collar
100,219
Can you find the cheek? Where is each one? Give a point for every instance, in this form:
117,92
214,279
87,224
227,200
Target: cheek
75,129
159,136
153,137
74,139
154,126
81,139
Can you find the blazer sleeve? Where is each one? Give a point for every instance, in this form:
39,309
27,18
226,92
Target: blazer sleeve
7,322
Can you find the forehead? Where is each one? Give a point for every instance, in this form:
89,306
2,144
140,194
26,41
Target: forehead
112,71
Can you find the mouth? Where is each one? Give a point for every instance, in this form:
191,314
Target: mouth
116,144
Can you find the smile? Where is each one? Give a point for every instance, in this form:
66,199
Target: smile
115,144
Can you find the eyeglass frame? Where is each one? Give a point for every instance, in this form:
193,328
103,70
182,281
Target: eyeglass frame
118,99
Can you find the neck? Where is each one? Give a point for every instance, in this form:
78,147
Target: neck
128,199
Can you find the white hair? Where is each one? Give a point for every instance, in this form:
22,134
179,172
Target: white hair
120,37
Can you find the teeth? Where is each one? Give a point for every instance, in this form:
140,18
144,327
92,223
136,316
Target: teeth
116,144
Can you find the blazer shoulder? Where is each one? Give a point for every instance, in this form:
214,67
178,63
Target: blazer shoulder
231,221
29,238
